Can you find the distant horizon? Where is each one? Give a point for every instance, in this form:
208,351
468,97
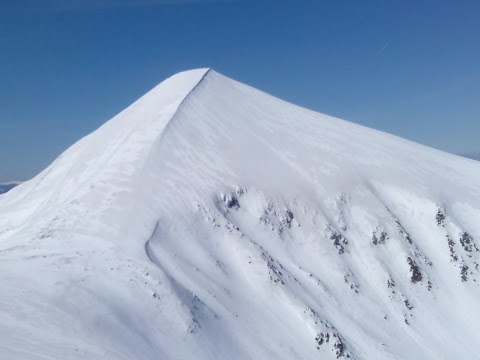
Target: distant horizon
408,69
473,156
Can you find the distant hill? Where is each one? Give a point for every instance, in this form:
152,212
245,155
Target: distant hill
5,187
474,156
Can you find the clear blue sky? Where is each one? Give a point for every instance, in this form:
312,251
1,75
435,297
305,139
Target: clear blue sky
411,68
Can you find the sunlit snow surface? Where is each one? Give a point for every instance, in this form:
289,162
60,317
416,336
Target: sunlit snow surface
212,221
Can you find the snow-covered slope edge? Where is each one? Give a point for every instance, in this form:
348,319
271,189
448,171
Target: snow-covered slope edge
225,223
7,186
115,150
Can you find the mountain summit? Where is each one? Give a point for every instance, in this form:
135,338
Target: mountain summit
210,220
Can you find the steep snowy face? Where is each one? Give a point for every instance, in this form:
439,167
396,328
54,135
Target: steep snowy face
104,164
210,220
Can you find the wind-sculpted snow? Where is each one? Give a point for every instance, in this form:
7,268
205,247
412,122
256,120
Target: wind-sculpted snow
212,221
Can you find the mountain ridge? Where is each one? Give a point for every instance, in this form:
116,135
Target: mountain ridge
212,220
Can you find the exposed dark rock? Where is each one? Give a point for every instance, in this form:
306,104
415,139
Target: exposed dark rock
287,220
416,274
339,241
464,272
391,284
429,285
322,338
441,216
451,244
240,190
403,232
467,242
232,202
274,268
348,278
289,214
379,237
419,255
338,345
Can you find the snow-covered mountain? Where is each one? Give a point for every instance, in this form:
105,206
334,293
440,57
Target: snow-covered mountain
210,220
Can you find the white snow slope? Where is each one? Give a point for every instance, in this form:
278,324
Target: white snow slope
212,221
